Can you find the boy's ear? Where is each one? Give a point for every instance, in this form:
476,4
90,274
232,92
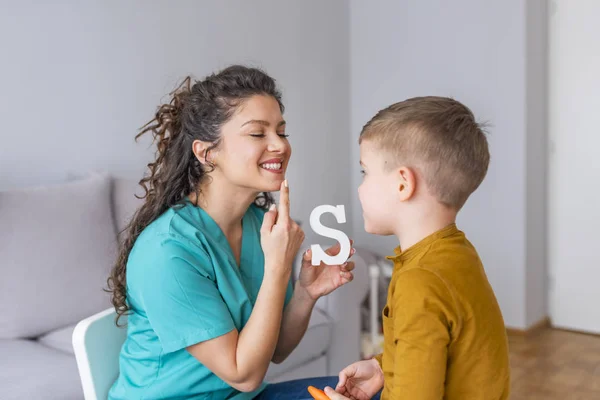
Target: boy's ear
407,183
202,152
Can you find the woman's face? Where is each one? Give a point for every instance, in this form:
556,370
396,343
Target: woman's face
254,151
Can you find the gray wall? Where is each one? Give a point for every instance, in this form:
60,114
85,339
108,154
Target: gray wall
475,52
79,78
573,167
536,265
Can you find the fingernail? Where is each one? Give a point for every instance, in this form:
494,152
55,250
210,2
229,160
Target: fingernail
285,183
273,207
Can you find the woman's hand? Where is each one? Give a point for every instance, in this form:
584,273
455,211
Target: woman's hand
323,279
280,236
361,380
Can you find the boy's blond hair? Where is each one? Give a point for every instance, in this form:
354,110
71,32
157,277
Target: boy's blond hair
439,138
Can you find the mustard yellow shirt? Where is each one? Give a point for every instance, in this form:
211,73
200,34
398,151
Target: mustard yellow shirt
444,335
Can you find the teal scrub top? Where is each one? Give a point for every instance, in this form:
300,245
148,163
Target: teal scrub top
184,287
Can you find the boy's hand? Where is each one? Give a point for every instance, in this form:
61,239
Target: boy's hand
333,395
361,380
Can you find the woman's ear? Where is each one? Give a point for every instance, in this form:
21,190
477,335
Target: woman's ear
202,151
407,183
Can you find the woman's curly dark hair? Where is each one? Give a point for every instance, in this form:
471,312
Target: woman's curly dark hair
195,112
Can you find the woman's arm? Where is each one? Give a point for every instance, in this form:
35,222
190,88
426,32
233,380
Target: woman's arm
294,323
241,359
313,283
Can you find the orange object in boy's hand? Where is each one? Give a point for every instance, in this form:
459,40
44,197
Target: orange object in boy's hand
317,394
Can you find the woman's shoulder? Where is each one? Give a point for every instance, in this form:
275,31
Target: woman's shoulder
186,226
169,240
178,225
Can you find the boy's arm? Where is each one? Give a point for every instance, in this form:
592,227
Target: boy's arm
422,312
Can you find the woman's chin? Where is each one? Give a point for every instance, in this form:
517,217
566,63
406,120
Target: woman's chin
273,186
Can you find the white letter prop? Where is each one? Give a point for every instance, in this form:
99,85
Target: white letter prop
318,255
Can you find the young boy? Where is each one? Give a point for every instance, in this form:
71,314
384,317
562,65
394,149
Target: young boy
444,335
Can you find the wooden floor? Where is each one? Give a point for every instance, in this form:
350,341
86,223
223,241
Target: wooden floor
555,365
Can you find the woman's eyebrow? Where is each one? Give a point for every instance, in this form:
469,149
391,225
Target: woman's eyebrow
262,122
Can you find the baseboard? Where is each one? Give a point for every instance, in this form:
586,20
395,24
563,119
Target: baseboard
541,324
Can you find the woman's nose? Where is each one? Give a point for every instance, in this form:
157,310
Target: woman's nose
277,144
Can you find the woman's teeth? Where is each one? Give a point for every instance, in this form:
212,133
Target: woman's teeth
274,166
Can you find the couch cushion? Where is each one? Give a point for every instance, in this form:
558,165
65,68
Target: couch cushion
312,346
60,339
57,246
29,370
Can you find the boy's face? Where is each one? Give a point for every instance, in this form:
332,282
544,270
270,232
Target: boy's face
378,192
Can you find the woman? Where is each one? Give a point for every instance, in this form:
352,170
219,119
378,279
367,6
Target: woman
204,271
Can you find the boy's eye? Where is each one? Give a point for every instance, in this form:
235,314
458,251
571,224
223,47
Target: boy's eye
283,135
362,171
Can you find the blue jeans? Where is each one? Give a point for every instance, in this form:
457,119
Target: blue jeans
297,390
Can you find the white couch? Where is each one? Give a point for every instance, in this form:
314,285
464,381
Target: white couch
57,245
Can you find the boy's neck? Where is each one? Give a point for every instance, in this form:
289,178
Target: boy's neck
422,224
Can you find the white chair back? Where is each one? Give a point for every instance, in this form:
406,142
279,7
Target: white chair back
97,343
